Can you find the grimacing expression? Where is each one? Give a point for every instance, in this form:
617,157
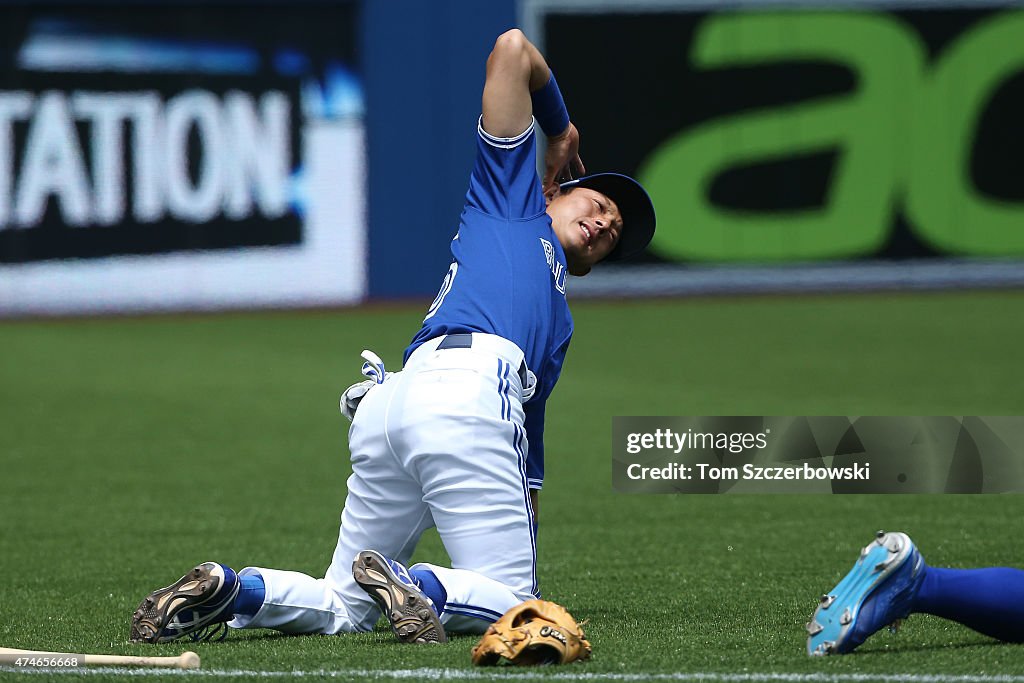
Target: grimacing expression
587,224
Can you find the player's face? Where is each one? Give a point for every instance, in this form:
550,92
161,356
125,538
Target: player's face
588,225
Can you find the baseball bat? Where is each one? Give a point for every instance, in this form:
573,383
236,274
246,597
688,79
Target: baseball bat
186,660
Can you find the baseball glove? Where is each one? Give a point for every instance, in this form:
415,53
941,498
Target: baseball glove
533,633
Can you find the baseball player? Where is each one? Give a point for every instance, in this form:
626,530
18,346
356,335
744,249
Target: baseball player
455,439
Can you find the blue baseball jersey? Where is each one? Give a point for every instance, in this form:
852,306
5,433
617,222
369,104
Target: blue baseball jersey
508,274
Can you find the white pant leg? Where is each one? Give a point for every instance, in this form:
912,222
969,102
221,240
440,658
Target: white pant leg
296,603
383,511
461,433
474,600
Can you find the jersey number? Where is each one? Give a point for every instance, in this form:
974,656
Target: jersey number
446,287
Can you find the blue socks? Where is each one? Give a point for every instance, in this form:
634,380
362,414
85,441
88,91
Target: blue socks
990,601
250,595
429,584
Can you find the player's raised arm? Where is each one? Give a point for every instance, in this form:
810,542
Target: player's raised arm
520,86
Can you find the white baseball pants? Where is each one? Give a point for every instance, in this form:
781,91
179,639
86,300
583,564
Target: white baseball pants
440,443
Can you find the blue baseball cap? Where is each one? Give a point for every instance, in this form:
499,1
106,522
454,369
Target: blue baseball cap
635,206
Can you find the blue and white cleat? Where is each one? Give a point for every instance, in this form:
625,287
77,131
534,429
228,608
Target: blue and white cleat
197,605
877,592
412,615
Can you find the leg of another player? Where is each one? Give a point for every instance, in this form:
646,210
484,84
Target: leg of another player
891,580
989,600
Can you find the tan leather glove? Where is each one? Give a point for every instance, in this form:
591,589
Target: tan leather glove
533,633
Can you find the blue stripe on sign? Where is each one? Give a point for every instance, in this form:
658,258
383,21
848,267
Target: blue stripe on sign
473,611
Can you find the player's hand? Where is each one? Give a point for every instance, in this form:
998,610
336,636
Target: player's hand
562,160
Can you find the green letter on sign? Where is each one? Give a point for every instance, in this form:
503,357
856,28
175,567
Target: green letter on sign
944,205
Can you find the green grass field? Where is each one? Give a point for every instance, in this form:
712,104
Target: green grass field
132,448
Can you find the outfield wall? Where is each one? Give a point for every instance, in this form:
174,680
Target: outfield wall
155,155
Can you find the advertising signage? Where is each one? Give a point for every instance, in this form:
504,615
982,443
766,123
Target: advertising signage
167,156
780,135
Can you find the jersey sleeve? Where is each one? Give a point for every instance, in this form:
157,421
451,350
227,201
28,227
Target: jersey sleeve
535,437
504,182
